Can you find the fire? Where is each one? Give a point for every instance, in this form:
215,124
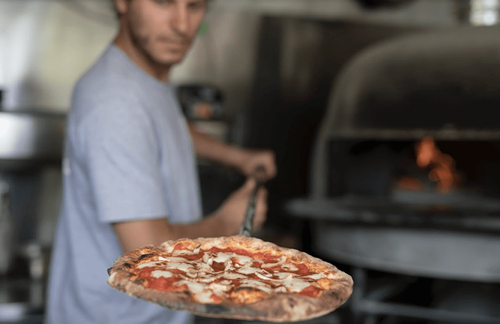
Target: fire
442,165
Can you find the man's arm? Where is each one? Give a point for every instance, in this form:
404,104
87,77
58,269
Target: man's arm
223,222
246,161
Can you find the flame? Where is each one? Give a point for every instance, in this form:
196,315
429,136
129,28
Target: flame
442,165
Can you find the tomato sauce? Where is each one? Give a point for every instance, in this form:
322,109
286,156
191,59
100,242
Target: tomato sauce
181,246
256,264
176,271
310,291
193,257
303,269
216,298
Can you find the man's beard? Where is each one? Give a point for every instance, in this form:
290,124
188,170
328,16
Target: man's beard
142,43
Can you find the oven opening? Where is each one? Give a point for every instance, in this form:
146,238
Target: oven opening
448,167
424,166
422,183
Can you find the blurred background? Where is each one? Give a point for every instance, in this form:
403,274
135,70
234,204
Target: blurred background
382,114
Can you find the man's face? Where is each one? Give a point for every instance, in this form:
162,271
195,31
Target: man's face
163,30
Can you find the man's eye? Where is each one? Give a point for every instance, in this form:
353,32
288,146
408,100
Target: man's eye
161,2
196,5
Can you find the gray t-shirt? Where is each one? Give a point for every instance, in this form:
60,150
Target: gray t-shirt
128,156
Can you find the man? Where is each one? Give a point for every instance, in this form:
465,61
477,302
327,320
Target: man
129,170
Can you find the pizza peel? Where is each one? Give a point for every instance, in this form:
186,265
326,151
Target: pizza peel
247,225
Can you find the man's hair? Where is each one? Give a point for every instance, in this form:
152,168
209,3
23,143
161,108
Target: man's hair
118,14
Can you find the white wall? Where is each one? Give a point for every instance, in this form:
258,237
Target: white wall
47,45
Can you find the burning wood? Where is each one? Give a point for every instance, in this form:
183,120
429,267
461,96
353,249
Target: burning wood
442,165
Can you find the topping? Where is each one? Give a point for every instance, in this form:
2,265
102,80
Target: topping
289,267
235,274
268,265
161,273
147,264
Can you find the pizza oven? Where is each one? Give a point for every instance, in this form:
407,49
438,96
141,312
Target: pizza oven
405,178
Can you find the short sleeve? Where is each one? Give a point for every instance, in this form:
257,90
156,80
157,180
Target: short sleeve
123,163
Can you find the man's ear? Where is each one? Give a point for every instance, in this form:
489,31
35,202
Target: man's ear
122,6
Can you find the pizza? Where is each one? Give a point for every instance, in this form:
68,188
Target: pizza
232,277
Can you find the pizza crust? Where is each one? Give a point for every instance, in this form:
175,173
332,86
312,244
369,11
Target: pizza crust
278,307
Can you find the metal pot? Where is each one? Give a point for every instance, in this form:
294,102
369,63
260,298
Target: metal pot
6,229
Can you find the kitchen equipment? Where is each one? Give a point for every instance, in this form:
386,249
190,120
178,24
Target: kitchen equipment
6,229
201,101
30,139
203,105
30,147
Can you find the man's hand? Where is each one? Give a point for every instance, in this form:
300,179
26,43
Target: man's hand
246,161
249,161
232,211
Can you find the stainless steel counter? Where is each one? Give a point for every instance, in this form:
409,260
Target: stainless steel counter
30,137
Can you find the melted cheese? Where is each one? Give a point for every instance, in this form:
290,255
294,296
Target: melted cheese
149,264
203,267
295,284
247,270
290,267
193,286
222,257
208,279
263,275
316,276
180,266
282,275
172,259
232,276
205,297
251,283
186,252
161,273
199,276
219,287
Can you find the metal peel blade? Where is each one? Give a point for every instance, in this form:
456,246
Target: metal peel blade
247,225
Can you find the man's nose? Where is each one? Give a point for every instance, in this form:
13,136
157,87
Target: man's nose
181,20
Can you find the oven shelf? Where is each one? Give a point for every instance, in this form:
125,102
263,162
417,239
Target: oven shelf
460,211
444,134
